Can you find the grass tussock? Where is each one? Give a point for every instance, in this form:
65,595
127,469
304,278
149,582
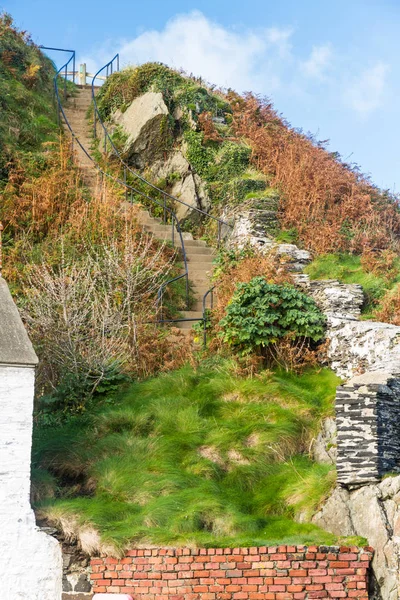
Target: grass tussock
195,457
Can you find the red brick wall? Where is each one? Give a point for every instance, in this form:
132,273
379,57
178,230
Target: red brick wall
264,573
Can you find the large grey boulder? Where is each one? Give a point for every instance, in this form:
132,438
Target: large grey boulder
372,512
143,123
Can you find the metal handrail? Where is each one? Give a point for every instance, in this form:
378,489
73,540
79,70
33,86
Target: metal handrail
174,218
175,221
210,291
160,295
97,117
64,67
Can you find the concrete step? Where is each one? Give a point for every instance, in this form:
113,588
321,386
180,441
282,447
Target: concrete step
186,324
192,243
198,305
199,274
201,259
167,235
160,228
203,250
193,314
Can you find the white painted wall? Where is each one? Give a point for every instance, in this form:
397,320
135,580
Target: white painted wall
30,560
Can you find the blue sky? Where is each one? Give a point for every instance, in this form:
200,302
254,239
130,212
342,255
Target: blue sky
331,67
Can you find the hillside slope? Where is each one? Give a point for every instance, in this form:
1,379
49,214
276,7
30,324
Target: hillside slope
237,157
27,112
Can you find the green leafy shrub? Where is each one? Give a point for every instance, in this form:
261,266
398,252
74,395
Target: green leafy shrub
232,160
261,313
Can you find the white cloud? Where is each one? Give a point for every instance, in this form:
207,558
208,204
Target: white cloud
244,60
262,60
280,38
319,61
366,93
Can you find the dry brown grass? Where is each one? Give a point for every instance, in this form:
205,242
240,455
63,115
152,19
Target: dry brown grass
62,232
268,266
390,307
331,205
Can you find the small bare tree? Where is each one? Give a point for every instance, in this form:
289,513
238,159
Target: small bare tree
83,313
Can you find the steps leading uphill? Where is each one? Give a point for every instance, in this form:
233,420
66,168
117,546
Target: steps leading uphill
199,255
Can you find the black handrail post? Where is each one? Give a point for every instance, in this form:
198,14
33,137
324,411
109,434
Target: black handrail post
117,62
204,322
65,82
73,68
173,231
159,304
211,292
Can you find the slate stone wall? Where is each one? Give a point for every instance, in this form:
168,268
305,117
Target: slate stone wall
368,426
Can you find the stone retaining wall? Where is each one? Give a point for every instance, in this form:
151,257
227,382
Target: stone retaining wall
262,573
368,428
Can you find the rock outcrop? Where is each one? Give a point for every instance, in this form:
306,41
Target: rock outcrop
372,512
142,123
255,223
337,300
324,448
187,185
355,346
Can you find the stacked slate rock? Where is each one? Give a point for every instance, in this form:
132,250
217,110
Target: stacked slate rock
368,426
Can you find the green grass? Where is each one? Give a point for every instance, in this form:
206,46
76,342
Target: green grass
347,268
195,457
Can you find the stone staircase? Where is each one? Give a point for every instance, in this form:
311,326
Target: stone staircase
199,255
